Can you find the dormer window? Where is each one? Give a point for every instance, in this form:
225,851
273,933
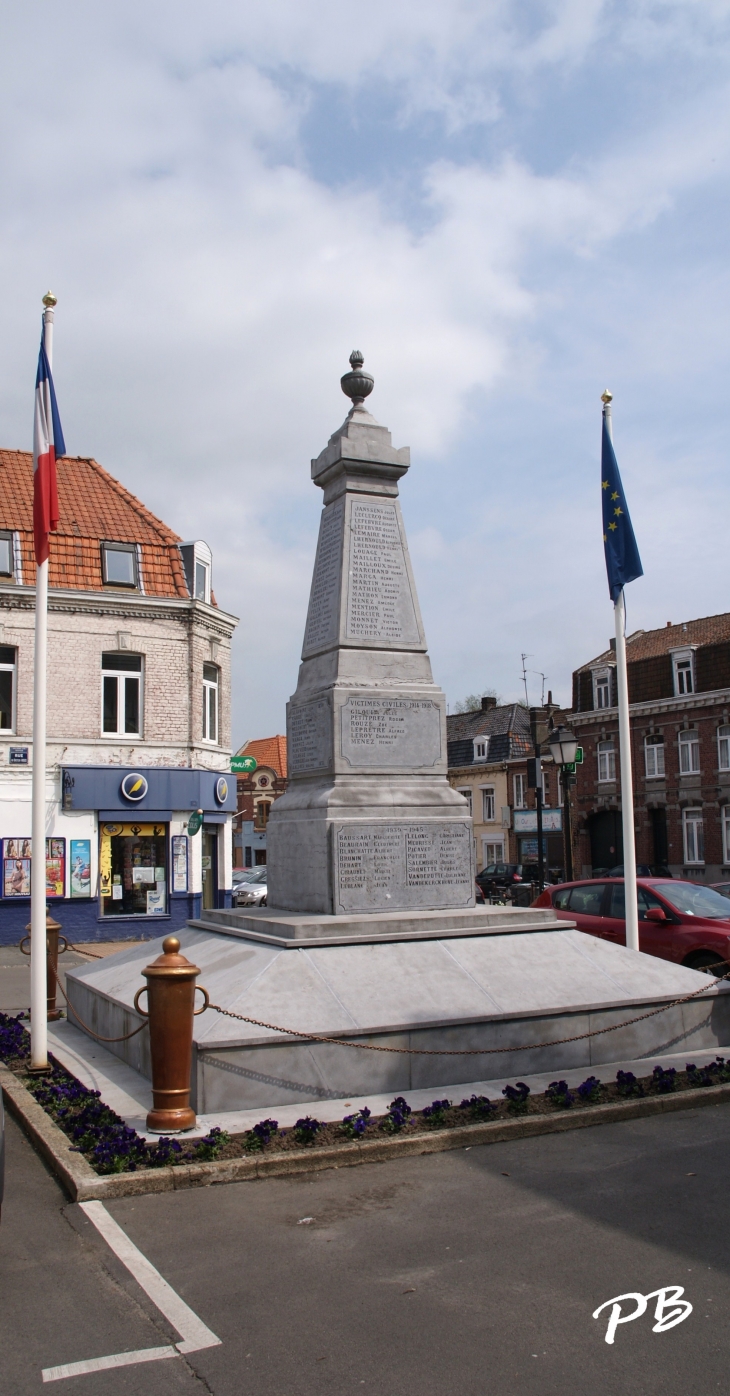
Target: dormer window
6,554
197,561
602,688
481,747
683,667
119,564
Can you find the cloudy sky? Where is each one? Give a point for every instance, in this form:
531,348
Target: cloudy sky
506,206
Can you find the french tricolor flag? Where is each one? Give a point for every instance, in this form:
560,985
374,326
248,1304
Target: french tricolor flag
48,445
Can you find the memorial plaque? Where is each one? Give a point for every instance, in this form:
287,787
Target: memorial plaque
309,738
324,598
379,599
399,733
399,866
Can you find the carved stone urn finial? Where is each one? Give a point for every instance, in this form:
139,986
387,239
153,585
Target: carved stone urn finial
357,384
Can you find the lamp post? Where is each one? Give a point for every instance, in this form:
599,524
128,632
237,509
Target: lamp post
563,749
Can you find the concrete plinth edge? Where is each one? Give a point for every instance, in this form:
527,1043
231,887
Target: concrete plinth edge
82,1184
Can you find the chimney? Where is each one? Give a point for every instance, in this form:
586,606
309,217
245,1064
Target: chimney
669,625
612,643
488,701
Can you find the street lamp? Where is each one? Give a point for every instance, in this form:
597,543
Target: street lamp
563,749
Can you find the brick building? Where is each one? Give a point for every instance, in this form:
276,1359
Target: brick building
679,696
256,794
138,686
488,752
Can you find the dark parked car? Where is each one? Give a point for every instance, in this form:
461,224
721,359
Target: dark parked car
500,876
680,921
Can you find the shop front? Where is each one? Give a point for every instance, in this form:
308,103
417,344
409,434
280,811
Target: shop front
130,853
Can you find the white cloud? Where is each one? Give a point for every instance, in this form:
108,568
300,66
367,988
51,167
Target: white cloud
210,287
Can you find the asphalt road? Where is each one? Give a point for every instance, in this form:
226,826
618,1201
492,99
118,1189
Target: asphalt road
472,1272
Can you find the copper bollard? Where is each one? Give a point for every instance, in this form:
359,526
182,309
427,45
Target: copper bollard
170,990
52,953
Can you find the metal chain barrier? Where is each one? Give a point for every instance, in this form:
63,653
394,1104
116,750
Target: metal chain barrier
469,1051
86,1027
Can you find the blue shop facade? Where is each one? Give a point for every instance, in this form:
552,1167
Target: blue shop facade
128,857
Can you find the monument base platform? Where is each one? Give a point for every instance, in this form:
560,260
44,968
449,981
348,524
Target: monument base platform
291,929
521,990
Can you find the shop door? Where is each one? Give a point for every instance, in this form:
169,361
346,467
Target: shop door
210,867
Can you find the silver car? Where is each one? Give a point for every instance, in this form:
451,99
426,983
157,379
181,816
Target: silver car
249,887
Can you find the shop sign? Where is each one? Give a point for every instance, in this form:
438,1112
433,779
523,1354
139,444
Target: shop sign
221,790
526,821
244,763
134,787
195,821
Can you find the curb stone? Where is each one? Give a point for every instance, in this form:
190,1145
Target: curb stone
83,1184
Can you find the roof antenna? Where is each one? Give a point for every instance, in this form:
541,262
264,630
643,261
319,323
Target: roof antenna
524,677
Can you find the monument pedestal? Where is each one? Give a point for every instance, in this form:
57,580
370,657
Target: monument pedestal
369,822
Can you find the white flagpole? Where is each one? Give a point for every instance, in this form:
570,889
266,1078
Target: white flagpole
38,972
624,745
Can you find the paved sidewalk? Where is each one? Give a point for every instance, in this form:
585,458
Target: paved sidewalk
15,971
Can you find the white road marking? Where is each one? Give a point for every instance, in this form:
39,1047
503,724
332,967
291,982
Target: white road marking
101,1364
194,1333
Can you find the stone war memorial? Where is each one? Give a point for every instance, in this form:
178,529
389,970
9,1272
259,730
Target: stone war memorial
371,934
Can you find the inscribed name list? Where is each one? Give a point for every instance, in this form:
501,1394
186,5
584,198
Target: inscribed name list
379,600
324,597
309,736
395,867
396,733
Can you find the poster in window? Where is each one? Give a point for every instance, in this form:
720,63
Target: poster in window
80,867
55,867
16,868
179,863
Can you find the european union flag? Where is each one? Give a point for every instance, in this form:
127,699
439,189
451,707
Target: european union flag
623,563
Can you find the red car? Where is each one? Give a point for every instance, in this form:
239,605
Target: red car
680,921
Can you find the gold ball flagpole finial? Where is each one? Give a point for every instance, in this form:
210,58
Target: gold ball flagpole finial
606,397
50,300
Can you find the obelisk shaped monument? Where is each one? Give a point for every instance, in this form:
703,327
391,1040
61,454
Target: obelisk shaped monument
369,822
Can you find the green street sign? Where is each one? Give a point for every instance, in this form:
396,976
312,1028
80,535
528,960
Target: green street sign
195,821
579,756
244,763
569,767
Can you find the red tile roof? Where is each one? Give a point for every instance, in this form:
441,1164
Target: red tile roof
92,506
646,644
269,751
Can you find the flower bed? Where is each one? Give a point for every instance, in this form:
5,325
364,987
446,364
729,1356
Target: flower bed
110,1146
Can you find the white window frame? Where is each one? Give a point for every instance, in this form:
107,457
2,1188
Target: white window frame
723,748
497,846
519,791
466,791
689,752
693,835
606,756
211,691
545,787
602,689
684,677
489,804
654,762
481,747
124,674
13,670
726,834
